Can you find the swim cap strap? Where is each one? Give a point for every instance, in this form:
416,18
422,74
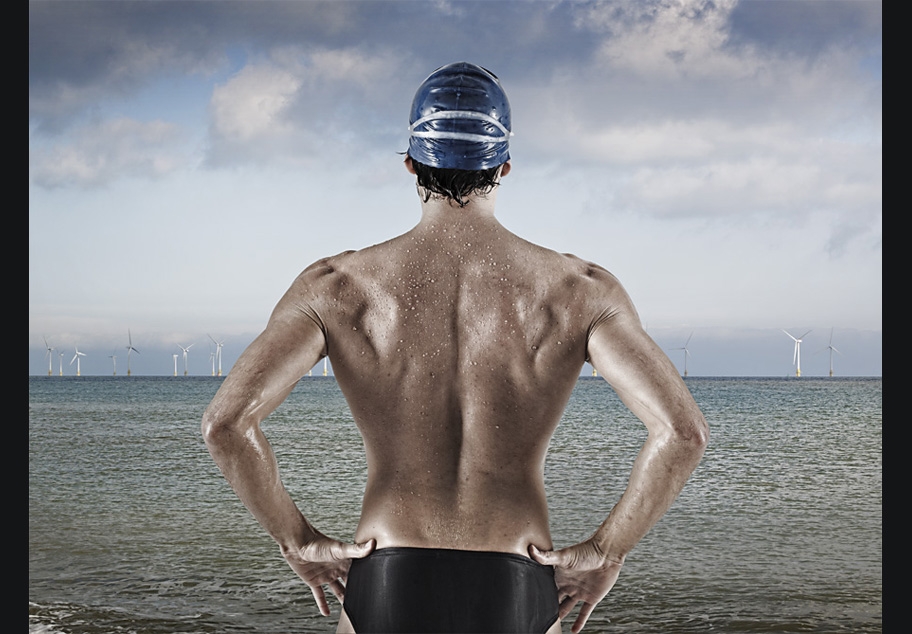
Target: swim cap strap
459,136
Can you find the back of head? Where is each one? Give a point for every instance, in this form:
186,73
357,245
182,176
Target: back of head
460,120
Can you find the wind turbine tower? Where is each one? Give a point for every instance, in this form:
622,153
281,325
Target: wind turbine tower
175,364
50,357
60,365
76,359
113,358
186,350
324,366
796,359
218,353
686,352
832,350
130,350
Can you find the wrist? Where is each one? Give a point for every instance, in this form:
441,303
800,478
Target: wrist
298,538
609,554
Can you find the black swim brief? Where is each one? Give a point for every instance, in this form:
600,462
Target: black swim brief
405,590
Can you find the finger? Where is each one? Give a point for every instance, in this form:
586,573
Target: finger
582,617
566,607
320,598
338,590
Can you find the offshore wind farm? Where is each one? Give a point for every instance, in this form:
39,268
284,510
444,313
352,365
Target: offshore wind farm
704,352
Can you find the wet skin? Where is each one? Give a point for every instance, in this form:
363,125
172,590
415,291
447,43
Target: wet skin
457,345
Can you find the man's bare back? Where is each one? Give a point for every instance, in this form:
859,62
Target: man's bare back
457,345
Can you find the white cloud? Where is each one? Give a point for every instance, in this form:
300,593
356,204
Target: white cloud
252,103
667,38
300,106
98,153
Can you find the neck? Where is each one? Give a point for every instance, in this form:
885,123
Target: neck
438,209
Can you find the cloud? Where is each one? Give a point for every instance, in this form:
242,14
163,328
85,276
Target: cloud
81,53
96,154
305,106
669,38
252,103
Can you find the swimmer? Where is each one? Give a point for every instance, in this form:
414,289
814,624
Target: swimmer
457,345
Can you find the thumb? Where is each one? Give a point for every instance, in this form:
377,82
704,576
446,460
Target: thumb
545,557
357,551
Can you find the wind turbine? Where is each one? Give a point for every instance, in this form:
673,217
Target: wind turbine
212,361
324,365
797,356
130,350
218,353
186,350
175,364
60,365
832,350
76,359
49,356
686,352
113,358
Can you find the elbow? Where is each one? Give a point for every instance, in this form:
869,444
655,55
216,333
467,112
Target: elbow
693,432
687,433
209,428
217,430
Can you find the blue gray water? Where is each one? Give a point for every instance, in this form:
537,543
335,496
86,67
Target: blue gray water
132,529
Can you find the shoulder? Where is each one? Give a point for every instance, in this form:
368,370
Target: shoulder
593,279
326,272
337,281
604,297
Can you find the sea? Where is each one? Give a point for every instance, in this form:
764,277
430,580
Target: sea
132,528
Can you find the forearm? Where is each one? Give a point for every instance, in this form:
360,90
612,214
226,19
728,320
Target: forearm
659,473
248,462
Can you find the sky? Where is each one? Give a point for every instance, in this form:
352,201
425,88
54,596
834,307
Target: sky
723,159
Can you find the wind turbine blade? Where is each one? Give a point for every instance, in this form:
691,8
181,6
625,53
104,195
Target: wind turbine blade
789,334
805,335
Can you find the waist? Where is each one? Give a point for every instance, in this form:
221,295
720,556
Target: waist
450,556
507,524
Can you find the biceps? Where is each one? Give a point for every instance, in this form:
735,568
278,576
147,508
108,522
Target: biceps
268,370
639,371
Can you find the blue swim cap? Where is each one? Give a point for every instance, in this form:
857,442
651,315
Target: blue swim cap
460,119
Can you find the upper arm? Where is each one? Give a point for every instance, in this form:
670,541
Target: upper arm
266,372
639,371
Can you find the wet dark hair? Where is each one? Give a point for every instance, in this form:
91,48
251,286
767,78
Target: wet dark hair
455,184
